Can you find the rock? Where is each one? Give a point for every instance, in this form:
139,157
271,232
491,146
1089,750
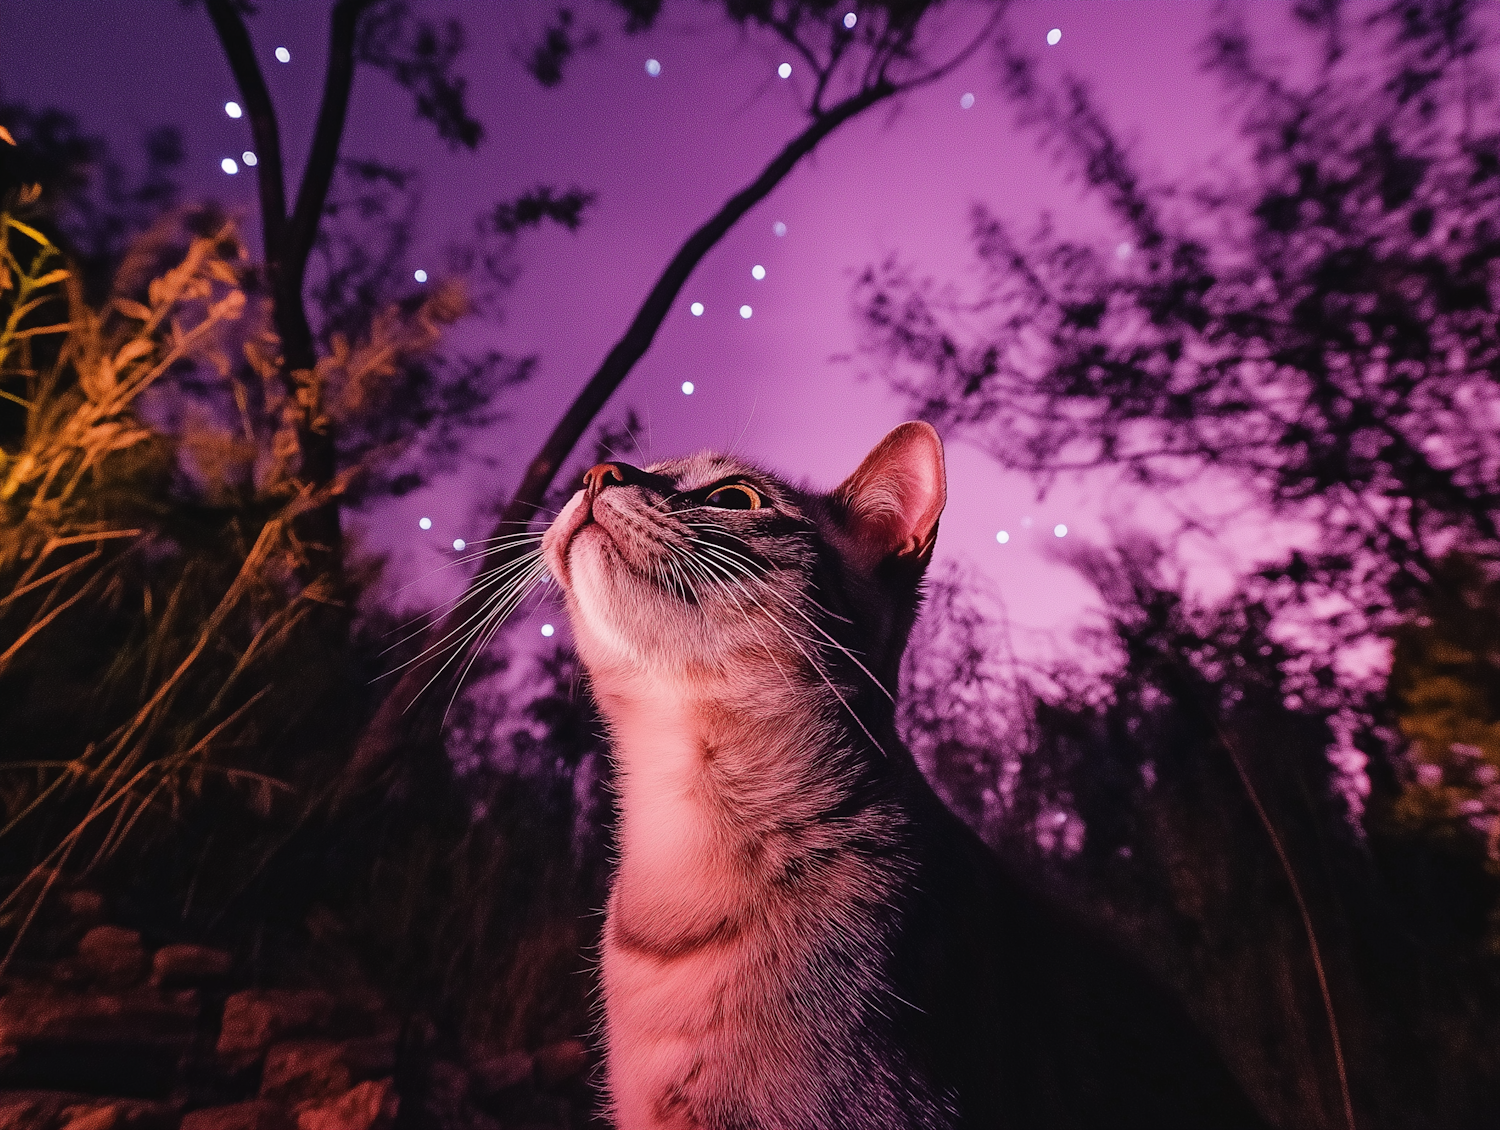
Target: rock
62,1110
257,1018
33,1014
86,907
371,1105
562,1060
257,1115
494,1072
93,1118
305,1069
114,955
189,965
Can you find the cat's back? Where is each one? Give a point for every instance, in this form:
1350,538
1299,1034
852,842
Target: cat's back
1037,1020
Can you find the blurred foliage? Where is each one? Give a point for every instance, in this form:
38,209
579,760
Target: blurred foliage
1445,686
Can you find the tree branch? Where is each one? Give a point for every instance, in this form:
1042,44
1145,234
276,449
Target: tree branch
235,39
328,134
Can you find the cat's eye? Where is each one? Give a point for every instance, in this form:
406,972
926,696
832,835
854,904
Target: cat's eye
735,496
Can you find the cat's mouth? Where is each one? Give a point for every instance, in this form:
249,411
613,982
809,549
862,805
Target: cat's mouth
628,544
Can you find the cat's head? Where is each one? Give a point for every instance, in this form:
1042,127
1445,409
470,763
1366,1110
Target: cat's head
695,567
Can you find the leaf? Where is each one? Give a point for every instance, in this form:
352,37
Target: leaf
132,309
137,347
51,278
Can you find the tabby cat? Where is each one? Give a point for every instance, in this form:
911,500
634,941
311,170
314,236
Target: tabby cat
799,934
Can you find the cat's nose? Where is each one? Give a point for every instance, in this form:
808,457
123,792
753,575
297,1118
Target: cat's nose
597,477
602,475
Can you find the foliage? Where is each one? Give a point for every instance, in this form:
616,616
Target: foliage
1320,329
1445,683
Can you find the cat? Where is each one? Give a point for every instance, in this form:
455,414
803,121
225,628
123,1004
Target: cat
799,934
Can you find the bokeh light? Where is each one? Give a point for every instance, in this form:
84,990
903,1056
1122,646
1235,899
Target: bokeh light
967,101
548,629
745,311
687,388
850,19
1060,530
229,166
653,67
459,543
778,228
1003,536
425,523
785,70
757,272
697,309
1054,36
233,109
283,55
419,274
249,159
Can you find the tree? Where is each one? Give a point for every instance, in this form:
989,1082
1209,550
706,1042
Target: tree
1320,329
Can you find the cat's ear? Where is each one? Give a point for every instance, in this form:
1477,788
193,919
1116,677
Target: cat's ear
894,500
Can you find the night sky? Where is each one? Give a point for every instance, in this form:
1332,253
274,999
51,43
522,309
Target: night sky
788,385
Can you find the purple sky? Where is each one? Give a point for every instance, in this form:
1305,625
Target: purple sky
787,385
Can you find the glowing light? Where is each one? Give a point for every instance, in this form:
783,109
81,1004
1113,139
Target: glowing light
785,70
459,543
1026,521
653,68
1003,536
228,165
548,629
697,309
850,19
779,228
249,159
687,388
745,311
757,272
1060,530
1053,36
425,523
233,109
1125,250
419,274
283,55
967,101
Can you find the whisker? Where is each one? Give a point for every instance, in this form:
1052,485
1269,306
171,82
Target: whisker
722,551
508,603
494,577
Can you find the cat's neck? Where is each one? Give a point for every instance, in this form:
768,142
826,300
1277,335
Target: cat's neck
718,787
